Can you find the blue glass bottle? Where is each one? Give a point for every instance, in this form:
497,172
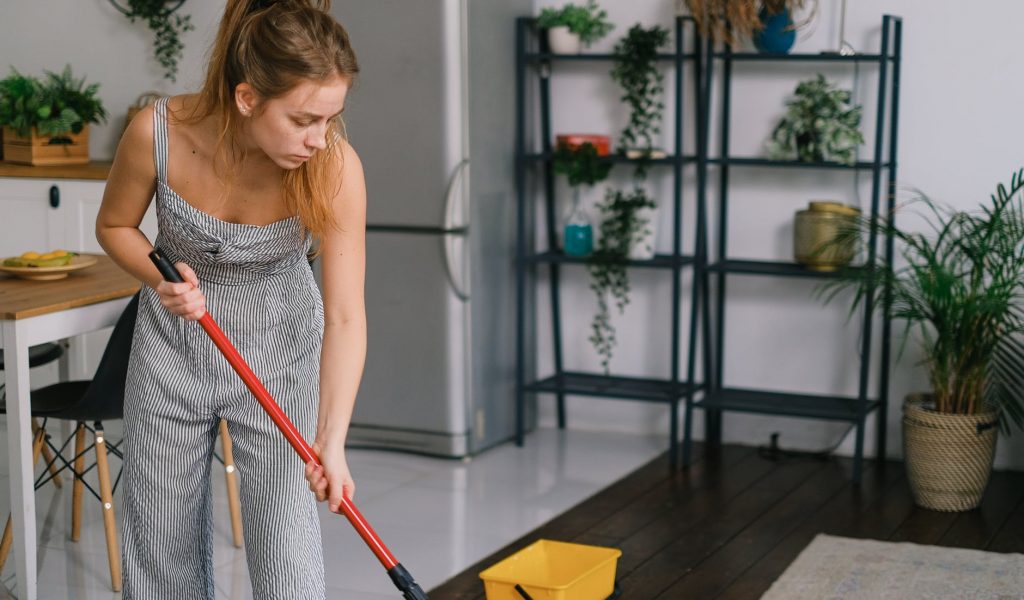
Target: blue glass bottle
578,235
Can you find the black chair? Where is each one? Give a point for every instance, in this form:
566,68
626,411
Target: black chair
37,357
95,401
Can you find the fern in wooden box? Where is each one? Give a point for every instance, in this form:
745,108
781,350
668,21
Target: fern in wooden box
47,122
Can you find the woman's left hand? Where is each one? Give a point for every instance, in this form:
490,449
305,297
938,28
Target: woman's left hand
331,478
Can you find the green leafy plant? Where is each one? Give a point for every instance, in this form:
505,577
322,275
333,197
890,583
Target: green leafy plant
961,290
580,165
636,72
819,125
167,25
57,106
621,226
589,21
70,94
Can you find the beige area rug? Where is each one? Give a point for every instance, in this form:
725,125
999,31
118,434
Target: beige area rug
836,568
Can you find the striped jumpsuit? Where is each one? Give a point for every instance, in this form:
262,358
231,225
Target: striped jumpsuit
259,287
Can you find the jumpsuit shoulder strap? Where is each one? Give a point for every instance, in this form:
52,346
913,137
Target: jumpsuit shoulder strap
160,138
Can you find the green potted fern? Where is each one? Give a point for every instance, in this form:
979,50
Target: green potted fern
47,122
960,290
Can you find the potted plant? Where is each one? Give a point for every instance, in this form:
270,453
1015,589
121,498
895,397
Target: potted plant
733,21
819,125
960,289
571,26
167,25
582,166
623,224
47,122
636,71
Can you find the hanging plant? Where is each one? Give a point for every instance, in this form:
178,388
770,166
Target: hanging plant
162,19
819,125
621,227
642,84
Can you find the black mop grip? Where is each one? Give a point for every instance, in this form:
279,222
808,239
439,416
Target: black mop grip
406,584
165,267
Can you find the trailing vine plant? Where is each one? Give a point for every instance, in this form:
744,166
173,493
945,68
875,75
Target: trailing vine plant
622,222
636,71
167,25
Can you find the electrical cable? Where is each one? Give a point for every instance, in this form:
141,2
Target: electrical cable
774,453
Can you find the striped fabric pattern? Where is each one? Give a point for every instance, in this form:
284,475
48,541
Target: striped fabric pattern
259,287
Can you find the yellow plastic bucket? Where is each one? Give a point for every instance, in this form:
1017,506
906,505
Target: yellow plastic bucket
549,570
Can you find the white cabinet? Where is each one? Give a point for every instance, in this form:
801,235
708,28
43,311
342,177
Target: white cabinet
42,215
47,214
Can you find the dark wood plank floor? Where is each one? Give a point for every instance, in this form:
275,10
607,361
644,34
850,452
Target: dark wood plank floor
729,525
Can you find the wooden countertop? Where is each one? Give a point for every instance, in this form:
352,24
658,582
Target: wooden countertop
95,170
22,298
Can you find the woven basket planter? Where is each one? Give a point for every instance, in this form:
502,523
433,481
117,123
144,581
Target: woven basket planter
948,457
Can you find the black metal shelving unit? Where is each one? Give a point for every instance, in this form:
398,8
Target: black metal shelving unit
677,387
882,166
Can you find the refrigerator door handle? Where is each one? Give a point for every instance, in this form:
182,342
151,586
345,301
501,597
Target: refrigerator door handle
460,230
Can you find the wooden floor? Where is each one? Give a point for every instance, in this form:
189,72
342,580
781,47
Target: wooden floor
730,525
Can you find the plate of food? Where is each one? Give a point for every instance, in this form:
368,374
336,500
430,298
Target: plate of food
47,266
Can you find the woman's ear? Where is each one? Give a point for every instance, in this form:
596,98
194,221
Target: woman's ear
246,99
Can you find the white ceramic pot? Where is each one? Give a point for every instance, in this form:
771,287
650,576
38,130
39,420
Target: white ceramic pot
563,41
642,246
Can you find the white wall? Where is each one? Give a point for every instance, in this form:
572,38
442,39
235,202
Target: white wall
103,46
959,135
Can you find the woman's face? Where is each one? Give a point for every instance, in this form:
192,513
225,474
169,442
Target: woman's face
291,127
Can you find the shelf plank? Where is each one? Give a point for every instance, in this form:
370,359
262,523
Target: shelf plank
660,261
624,388
799,57
834,408
795,164
593,56
615,158
773,268
97,170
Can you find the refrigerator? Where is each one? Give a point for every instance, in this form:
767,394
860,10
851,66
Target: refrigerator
432,118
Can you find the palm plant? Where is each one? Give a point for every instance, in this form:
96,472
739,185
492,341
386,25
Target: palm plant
962,289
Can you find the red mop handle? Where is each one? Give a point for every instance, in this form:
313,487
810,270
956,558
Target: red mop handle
294,437
280,419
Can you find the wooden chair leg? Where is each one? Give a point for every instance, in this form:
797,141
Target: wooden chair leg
77,488
109,522
48,457
8,537
229,475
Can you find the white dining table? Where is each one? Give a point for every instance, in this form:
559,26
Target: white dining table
34,312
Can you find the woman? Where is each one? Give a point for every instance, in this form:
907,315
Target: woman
246,175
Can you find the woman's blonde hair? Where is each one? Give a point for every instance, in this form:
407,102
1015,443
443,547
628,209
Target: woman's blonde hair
273,45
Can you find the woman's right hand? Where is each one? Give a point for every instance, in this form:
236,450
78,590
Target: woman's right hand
183,299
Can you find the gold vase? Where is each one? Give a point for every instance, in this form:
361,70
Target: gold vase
814,233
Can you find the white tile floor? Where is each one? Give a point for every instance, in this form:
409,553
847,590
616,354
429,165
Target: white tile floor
437,516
